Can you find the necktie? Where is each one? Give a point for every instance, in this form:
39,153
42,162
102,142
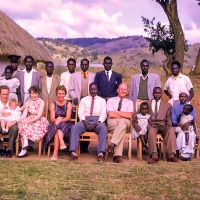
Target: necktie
120,105
156,110
107,75
84,75
92,106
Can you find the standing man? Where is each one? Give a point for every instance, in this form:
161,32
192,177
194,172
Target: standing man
107,80
50,82
92,114
27,78
13,130
65,76
79,88
120,110
160,112
142,85
177,83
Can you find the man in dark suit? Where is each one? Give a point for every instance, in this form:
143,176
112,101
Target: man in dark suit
108,80
161,122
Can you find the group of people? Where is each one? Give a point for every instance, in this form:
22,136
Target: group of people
105,104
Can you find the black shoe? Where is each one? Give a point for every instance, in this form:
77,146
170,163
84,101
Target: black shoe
2,152
30,148
8,154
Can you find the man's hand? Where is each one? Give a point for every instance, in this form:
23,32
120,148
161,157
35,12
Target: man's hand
75,101
93,126
87,126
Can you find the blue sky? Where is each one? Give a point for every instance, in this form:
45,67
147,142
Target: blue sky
96,18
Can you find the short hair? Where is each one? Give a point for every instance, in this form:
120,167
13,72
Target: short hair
144,60
189,105
175,62
61,87
144,104
34,89
49,62
9,68
85,60
13,101
4,87
157,88
107,58
93,83
29,57
71,59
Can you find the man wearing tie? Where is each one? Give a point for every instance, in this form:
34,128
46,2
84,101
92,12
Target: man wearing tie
160,112
92,114
107,80
120,110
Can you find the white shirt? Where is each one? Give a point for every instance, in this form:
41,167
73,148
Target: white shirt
49,82
2,106
98,110
177,85
65,77
109,73
113,103
28,79
153,104
144,78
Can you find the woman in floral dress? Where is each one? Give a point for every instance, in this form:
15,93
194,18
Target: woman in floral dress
32,125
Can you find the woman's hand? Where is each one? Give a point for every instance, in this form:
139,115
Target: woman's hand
24,121
58,120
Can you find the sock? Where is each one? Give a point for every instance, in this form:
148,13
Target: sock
74,153
100,154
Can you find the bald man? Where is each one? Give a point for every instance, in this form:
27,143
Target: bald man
119,110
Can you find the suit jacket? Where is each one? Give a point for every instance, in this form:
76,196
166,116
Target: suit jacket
107,89
75,84
153,81
36,80
50,97
164,114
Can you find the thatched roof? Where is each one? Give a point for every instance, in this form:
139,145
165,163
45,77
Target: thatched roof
15,40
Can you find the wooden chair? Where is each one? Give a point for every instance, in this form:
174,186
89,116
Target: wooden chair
160,145
73,119
197,144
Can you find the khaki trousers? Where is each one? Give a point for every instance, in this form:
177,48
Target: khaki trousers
119,127
169,139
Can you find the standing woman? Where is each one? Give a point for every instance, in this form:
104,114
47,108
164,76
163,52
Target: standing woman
60,126
32,125
12,83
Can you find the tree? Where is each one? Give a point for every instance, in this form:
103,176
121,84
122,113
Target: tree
170,9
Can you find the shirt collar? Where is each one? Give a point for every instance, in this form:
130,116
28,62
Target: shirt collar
179,76
110,71
144,78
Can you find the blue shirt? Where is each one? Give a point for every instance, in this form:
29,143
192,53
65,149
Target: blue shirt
176,111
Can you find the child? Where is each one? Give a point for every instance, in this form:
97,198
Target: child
10,116
140,123
186,138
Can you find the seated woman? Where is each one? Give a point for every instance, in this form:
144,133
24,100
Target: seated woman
32,125
60,126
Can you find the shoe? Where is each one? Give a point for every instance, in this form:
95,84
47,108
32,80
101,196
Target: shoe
63,148
117,159
73,158
4,132
101,158
8,154
54,158
110,149
21,156
153,160
30,149
185,159
173,159
2,152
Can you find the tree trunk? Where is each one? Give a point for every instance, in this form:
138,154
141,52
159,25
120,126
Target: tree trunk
170,8
166,64
197,65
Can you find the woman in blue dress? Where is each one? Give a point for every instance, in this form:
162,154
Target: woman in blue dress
60,125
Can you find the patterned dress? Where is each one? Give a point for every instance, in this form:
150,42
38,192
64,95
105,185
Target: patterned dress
65,127
34,131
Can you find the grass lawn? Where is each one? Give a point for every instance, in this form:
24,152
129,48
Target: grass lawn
92,180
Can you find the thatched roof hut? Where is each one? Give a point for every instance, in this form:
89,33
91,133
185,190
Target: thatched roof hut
15,40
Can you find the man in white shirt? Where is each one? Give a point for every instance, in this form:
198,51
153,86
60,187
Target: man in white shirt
120,110
92,115
13,130
177,83
27,78
65,76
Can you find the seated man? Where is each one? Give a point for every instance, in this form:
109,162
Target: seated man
160,112
186,150
13,130
92,114
120,110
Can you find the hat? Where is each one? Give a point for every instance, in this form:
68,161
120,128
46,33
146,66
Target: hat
184,91
14,58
